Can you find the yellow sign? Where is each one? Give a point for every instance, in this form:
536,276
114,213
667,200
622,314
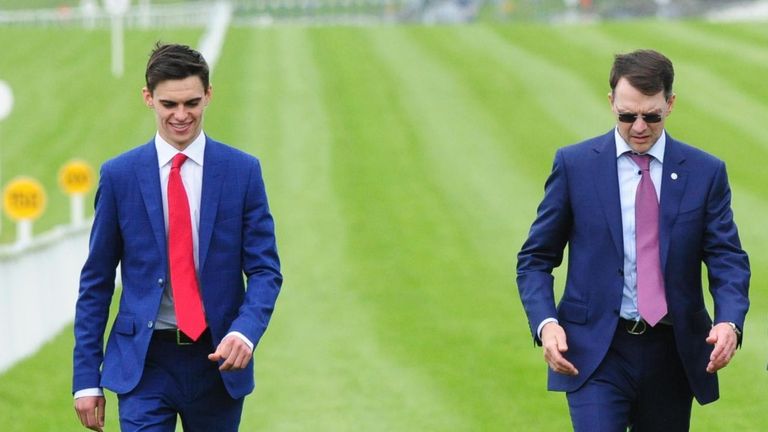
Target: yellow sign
24,198
76,177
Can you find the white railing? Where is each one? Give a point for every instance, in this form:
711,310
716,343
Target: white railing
190,14
38,289
739,11
246,13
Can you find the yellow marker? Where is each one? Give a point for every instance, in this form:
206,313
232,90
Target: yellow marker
76,177
24,199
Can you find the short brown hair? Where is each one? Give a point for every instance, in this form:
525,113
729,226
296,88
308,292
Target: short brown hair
173,62
648,71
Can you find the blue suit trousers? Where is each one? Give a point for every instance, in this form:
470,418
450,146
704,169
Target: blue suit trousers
179,380
640,386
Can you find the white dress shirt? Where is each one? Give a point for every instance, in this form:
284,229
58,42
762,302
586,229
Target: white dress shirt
629,179
192,177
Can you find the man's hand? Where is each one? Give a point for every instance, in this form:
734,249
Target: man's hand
90,410
235,353
725,340
553,342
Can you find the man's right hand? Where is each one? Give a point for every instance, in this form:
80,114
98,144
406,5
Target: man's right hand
553,342
90,410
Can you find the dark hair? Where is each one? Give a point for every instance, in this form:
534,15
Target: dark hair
646,70
173,62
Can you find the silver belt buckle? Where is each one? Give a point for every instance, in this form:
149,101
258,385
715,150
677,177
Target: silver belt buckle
178,339
639,327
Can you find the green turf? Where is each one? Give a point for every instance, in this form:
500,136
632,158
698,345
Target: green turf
403,165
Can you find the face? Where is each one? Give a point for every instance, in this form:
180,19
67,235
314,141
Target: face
179,107
641,133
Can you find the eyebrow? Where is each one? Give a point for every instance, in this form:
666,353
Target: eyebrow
186,102
627,111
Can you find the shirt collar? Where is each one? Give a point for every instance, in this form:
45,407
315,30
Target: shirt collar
166,152
657,149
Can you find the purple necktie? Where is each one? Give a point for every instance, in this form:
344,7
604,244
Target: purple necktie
651,302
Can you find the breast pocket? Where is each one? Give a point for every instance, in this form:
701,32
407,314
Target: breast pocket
696,214
229,211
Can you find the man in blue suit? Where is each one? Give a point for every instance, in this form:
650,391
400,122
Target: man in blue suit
183,338
630,341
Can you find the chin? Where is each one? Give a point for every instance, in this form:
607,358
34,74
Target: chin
181,138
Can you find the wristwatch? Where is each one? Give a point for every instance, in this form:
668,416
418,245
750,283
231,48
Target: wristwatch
735,329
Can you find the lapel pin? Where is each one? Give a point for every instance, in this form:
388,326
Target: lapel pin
674,176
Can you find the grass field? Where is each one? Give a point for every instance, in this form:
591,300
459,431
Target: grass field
404,165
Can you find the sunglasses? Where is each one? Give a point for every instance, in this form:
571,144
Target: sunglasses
632,117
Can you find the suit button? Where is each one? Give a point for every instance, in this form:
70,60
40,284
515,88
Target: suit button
621,272
160,281
150,324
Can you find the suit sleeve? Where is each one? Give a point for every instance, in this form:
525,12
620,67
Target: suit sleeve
261,263
727,263
97,285
543,250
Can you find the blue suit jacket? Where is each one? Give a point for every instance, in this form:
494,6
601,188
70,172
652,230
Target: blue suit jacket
581,209
236,238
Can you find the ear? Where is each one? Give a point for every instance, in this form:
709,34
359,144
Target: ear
610,98
208,95
147,96
671,103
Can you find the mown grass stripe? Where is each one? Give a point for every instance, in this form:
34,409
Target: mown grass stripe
392,216
717,40
462,149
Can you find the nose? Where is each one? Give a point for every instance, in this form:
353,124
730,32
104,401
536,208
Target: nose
180,112
639,124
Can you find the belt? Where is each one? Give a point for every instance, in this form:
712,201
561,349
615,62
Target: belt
177,336
641,326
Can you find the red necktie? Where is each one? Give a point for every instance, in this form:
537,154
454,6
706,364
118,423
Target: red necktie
186,294
651,301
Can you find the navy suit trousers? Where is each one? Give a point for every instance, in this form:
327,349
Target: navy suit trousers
640,386
179,380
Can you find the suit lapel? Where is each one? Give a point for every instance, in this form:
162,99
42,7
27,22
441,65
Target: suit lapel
673,182
606,181
148,178
214,167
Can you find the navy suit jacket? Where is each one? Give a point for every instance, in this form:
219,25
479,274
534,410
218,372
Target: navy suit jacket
581,209
236,240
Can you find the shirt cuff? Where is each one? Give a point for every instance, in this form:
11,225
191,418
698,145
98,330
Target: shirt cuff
241,336
89,392
543,323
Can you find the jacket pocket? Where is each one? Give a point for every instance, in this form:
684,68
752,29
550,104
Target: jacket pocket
572,311
124,325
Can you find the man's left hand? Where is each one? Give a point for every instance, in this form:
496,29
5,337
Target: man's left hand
235,353
725,340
